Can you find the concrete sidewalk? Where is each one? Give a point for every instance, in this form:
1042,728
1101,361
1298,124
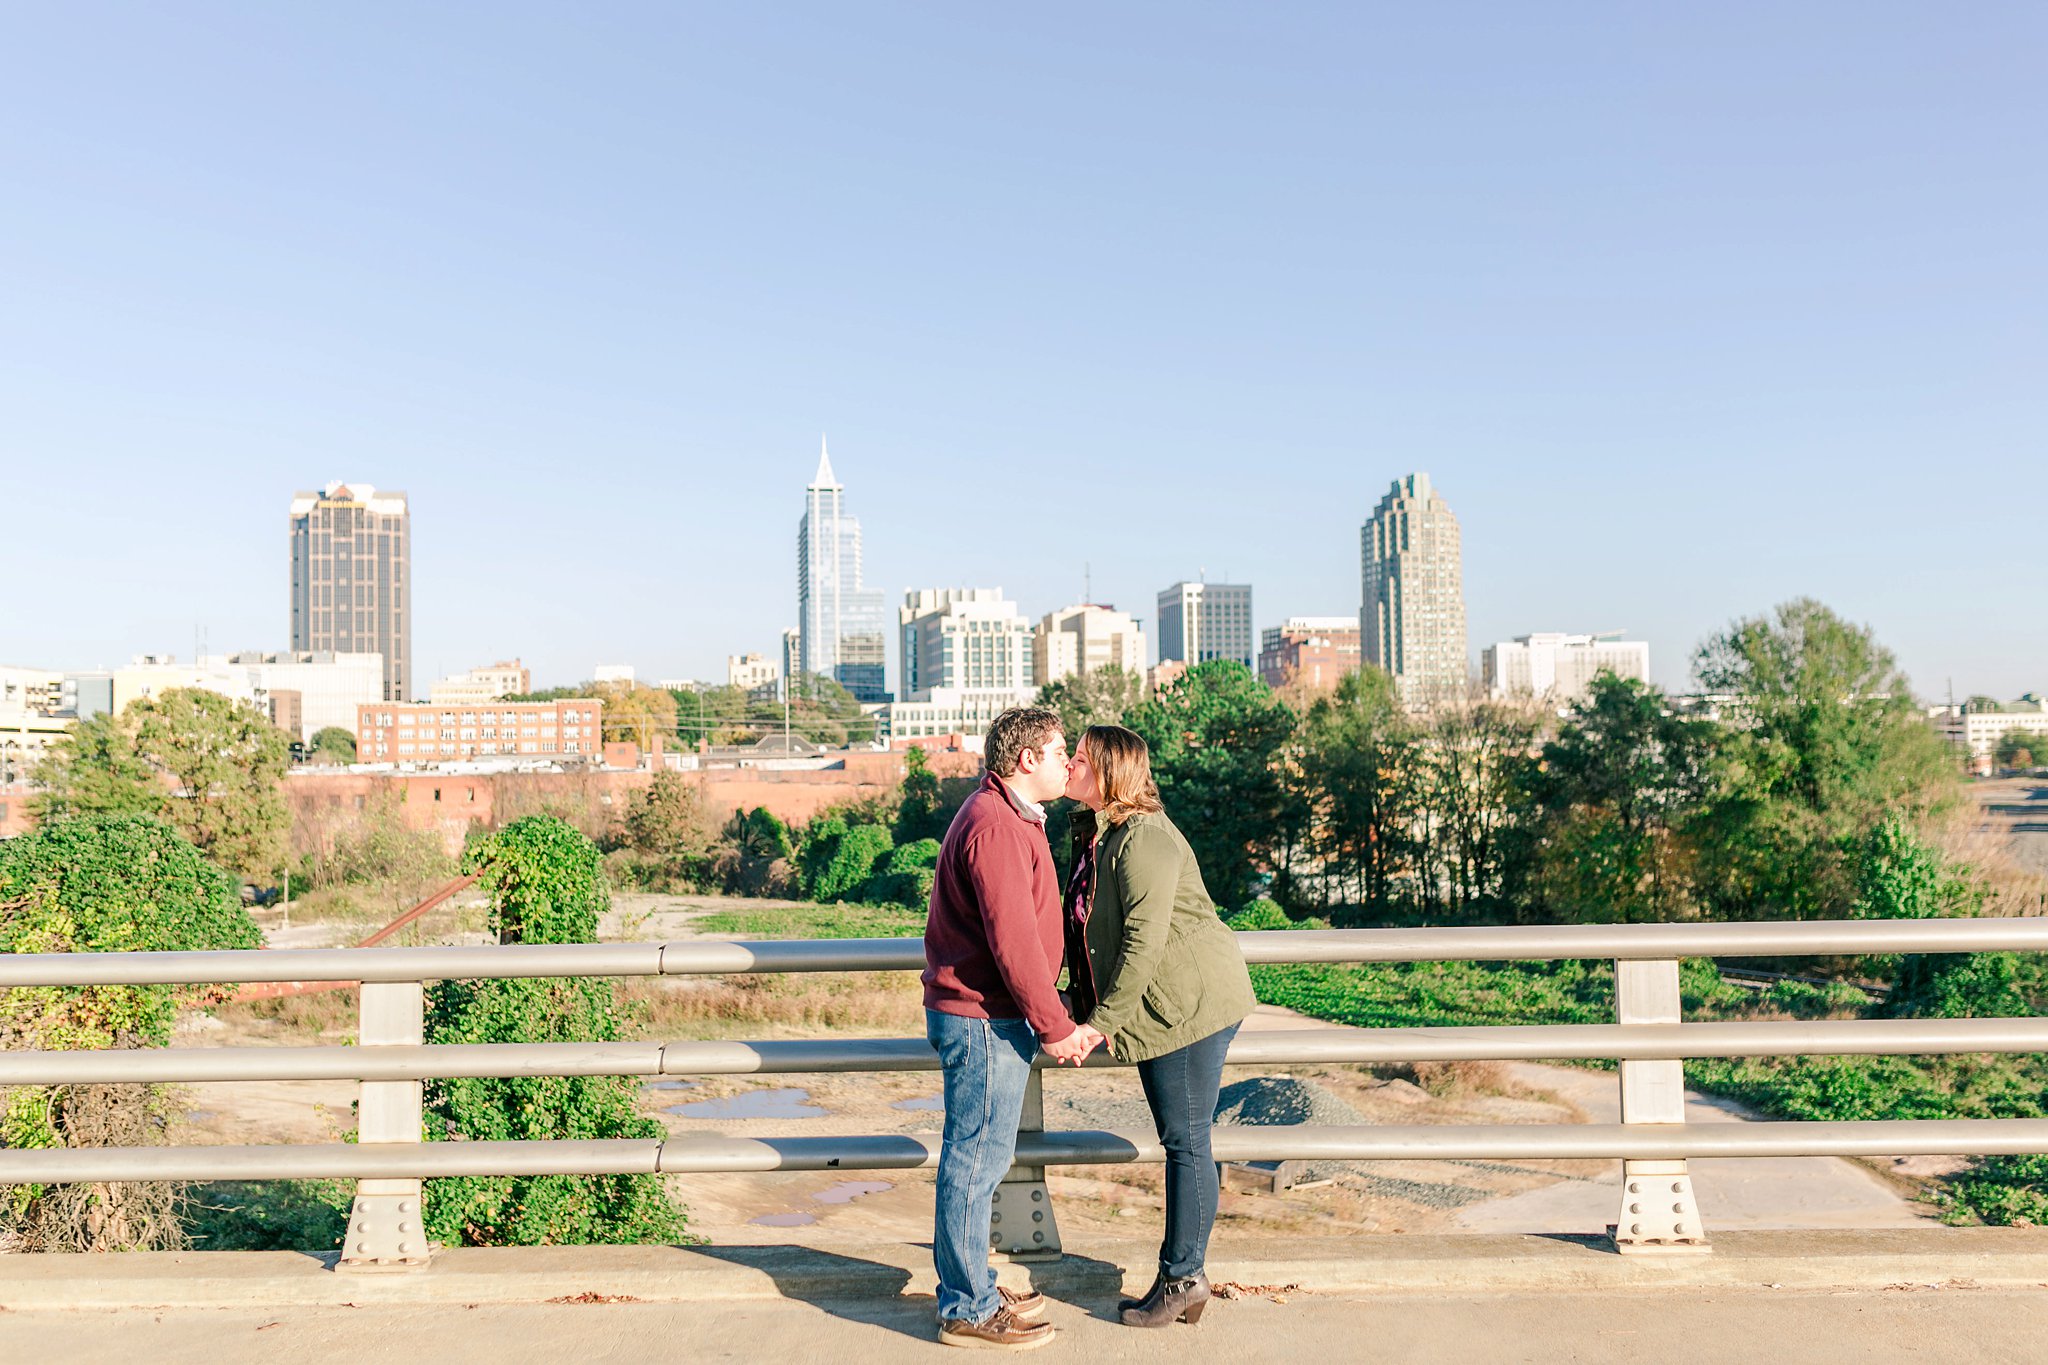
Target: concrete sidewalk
874,1271
1700,1327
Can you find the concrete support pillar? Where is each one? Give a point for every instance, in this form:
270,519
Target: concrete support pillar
1658,1211
387,1227
1021,1224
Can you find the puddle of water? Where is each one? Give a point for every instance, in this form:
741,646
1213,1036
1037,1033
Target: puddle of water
846,1191
753,1104
671,1085
199,1115
784,1220
921,1102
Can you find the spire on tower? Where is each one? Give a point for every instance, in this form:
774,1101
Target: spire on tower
823,478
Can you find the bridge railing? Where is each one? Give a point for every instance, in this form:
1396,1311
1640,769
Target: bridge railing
1656,1210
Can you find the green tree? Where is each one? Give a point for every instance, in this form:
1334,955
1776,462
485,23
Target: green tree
1354,775
95,771
210,765
102,884
920,813
1217,739
335,743
1477,759
755,854
2020,749
1616,791
1102,696
668,832
546,885
1825,740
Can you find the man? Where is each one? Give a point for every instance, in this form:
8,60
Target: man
992,949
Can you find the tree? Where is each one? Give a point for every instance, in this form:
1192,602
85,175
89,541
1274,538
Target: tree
1825,741
668,831
1216,741
333,743
921,813
546,885
99,883
635,714
1355,765
1617,788
754,854
95,771
1102,696
2020,749
1477,758
209,764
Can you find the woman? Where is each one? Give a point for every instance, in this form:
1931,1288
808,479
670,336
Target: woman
1152,967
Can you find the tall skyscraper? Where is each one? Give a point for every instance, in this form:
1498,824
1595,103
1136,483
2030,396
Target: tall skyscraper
1412,617
352,577
844,635
1203,621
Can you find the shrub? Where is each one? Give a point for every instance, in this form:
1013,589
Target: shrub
546,886
904,877
102,884
838,859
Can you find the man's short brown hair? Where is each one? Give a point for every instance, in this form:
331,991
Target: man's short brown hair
1014,731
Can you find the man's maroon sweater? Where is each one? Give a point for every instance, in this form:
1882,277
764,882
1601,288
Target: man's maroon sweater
993,941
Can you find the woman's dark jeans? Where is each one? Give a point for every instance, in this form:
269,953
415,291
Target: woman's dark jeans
1181,1088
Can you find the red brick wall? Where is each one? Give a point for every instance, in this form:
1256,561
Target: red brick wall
324,802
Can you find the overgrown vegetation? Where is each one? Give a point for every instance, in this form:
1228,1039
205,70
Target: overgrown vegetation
101,884
546,885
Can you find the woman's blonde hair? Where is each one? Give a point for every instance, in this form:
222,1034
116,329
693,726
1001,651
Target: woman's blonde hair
1123,772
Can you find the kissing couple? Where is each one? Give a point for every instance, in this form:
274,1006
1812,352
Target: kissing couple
1154,978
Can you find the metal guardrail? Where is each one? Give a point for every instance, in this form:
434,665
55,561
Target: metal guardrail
1657,1210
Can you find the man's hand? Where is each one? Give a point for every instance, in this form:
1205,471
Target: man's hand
1073,1049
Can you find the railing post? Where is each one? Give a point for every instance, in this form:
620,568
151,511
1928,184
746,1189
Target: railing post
387,1227
1658,1211
1021,1225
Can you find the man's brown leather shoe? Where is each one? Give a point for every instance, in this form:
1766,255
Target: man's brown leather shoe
1027,1304
1003,1331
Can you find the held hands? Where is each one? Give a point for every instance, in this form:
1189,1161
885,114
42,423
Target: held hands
1073,1049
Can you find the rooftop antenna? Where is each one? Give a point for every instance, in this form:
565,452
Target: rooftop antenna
1087,582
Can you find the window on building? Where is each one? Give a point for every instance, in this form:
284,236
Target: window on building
437,793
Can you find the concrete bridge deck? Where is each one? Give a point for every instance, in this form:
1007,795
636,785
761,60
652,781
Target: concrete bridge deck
1963,1295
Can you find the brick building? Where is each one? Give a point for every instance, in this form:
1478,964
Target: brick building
1311,651
388,732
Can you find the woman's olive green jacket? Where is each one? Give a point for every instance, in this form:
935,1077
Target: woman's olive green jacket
1162,970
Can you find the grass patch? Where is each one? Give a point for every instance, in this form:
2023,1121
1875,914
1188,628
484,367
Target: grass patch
814,921
1966,1086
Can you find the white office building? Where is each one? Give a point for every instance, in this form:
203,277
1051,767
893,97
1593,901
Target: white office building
1082,638
1558,667
1199,622
330,686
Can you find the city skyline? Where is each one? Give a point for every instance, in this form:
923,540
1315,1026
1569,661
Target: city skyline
1690,314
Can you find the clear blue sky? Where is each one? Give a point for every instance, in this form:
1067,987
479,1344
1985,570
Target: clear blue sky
1687,309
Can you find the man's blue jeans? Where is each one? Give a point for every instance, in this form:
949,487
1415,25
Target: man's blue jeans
986,1063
